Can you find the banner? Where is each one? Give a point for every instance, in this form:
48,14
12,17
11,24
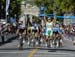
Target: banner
7,6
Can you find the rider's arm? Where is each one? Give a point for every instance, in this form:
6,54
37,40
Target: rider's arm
45,19
54,22
17,31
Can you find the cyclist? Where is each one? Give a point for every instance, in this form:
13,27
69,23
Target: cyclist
62,32
33,34
35,31
29,36
56,33
49,31
20,32
40,39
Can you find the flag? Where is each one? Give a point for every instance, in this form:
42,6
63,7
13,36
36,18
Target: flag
7,6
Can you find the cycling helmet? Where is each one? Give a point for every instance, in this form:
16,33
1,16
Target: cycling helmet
49,18
57,22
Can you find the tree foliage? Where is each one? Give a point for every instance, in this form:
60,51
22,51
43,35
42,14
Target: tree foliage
2,9
61,6
15,7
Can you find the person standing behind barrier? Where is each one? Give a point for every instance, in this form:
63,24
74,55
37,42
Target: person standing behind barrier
21,32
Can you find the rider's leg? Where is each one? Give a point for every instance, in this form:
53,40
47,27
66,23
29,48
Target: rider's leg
74,40
20,41
60,39
51,39
57,40
46,40
61,36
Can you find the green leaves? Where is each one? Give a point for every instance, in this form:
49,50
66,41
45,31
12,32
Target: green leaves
61,6
15,7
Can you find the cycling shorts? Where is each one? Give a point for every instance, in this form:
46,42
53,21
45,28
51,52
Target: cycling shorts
21,30
49,32
55,32
34,30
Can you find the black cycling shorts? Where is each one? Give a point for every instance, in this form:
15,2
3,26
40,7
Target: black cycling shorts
34,31
55,32
21,30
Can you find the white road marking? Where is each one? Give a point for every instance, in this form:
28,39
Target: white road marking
53,55
15,52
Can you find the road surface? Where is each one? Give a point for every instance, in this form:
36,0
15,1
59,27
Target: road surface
11,50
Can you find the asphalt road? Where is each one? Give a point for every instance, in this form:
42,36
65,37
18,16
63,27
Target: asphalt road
11,50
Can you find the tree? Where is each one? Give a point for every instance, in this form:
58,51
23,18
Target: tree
61,6
15,8
47,3
2,9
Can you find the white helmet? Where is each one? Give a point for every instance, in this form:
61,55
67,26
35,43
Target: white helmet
49,18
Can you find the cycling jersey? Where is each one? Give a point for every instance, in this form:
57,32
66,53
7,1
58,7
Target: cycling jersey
34,27
44,31
55,29
62,31
57,25
49,27
21,28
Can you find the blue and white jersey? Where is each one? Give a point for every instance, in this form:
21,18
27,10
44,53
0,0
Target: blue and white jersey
56,29
57,25
44,30
34,26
